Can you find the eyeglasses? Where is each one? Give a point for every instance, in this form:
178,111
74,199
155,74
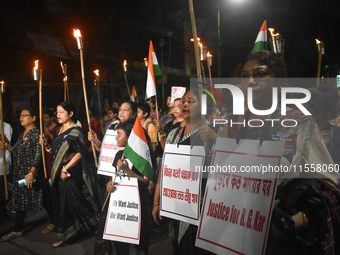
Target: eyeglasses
24,115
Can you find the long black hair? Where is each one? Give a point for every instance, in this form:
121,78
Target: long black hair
69,107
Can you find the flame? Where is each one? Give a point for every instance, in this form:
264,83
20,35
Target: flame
209,55
76,33
61,64
271,30
36,65
198,39
125,63
317,41
2,82
96,72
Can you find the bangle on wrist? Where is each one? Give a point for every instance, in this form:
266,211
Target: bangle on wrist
162,135
31,174
64,170
155,205
48,149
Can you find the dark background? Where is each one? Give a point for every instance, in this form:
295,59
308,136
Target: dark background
114,30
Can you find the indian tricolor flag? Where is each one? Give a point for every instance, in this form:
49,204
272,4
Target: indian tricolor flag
261,39
138,151
133,94
153,69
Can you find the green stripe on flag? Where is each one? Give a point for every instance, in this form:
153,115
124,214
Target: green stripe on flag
260,45
157,70
140,163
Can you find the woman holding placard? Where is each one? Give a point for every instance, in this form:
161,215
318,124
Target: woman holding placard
184,233
301,220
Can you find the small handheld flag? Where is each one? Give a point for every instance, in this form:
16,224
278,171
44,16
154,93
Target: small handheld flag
261,42
153,69
137,150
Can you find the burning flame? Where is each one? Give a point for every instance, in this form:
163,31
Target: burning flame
317,41
125,63
96,72
61,64
76,33
209,55
198,39
272,32
36,65
2,82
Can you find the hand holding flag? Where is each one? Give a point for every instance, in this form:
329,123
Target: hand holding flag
137,150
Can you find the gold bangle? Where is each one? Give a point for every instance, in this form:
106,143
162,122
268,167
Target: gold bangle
48,150
161,136
31,174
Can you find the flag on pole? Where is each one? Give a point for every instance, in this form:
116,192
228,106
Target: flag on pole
133,94
137,150
153,69
261,39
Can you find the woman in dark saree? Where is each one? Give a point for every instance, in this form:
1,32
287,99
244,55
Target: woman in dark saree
71,167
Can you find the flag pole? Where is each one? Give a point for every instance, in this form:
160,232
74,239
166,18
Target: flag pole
3,139
78,36
108,194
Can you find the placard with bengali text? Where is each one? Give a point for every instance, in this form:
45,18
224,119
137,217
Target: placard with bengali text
238,200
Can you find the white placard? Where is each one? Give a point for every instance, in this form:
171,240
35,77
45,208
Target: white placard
181,182
177,92
124,213
108,152
238,201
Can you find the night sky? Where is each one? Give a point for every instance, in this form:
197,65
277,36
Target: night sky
122,29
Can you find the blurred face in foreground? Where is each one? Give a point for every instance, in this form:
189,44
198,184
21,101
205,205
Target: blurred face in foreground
258,76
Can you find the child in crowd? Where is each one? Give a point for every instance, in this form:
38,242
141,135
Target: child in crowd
123,132
143,112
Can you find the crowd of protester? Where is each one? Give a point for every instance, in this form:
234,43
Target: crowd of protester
302,222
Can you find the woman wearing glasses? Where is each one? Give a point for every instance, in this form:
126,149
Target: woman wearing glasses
26,164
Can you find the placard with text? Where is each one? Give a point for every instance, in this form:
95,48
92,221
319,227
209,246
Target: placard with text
123,217
238,200
108,151
181,182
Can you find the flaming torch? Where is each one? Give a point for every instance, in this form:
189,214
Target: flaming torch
126,81
96,83
209,63
202,54
321,51
77,35
66,92
37,76
3,138
276,41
